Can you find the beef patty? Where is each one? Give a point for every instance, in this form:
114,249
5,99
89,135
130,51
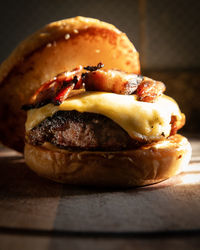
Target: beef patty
75,130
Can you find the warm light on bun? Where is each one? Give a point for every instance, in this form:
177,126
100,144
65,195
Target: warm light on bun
92,118
59,46
146,165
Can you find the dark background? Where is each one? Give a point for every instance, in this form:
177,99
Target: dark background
166,34
37,214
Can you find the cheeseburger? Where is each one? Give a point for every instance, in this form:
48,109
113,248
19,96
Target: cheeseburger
92,118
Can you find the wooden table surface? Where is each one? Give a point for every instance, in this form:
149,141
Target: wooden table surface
39,214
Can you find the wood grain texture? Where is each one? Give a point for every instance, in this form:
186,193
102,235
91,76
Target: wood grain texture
162,208
20,242
32,242
26,201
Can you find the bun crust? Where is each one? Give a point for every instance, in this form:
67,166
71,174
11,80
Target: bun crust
58,47
147,165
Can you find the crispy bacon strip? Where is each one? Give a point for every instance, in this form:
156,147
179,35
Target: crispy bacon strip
52,86
119,82
176,124
149,90
56,90
60,87
94,68
63,94
112,81
173,125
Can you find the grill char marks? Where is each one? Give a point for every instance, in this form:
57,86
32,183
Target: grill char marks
75,130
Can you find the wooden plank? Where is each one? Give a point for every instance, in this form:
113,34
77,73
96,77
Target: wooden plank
145,243
27,201
159,208
18,242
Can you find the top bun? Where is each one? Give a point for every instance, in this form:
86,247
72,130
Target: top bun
59,46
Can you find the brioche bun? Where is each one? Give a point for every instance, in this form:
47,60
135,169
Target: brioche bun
58,47
148,164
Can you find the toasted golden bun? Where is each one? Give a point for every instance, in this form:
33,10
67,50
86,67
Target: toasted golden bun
147,165
58,47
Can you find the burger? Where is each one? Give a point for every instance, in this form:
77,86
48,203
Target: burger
75,92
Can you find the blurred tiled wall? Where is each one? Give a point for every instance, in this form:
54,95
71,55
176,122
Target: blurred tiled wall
165,32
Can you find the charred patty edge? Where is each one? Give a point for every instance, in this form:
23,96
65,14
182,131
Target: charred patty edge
74,130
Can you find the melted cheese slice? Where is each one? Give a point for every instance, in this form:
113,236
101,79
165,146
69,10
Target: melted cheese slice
141,120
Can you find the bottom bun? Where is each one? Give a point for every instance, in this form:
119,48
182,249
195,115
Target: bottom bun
149,164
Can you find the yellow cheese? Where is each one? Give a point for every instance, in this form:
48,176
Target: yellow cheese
141,120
